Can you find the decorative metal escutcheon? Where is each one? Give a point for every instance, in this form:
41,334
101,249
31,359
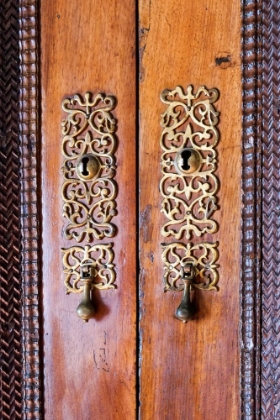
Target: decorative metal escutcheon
86,269
189,191
88,146
187,268
189,185
89,195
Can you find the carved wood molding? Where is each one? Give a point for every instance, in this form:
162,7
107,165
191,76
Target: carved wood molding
260,265
251,214
270,302
10,244
30,207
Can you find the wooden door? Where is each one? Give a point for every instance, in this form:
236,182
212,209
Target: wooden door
91,370
190,370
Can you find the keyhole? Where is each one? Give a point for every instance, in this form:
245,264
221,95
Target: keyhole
185,155
85,162
187,161
88,167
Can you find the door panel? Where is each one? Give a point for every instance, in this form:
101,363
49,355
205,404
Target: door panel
190,370
187,370
89,368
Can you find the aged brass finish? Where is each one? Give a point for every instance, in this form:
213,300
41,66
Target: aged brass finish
99,256
86,310
88,147
89,192
189,267
88,167
203,256
187,161
85,269
188,185
186,310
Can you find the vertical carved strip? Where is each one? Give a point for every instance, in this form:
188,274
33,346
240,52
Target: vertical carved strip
251,214
10,278
28,119
270,373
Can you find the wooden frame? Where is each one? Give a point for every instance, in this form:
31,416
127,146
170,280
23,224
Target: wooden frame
30,204
268,65
20,319
250,291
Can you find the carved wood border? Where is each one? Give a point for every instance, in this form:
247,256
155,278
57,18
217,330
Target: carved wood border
270,232
250,293
29,106
260,296
260,304
10,243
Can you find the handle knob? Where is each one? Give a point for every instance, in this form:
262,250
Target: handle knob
85,309
186,310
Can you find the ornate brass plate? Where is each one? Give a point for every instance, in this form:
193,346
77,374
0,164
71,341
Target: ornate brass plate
89,192
203,257
99,257
189,193
189,187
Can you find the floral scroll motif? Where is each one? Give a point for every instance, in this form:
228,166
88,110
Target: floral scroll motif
89,128
98,256
203,256
189,201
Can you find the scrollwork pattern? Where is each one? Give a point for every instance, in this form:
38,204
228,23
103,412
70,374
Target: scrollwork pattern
189,201
89,128
99,256
203,256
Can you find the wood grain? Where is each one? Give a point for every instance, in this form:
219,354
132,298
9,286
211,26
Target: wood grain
89,369
190,371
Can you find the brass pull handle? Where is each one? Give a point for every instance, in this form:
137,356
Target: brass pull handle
85,309
186,310
189,186
89,193
85,269
187,268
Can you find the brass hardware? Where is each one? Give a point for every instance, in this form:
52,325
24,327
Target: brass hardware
88,268
89,190
203,256
188,162
99,256
189,267
186,310
188,187
88,167
86,310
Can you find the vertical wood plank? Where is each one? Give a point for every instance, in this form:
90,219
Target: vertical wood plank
190,370
89,368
